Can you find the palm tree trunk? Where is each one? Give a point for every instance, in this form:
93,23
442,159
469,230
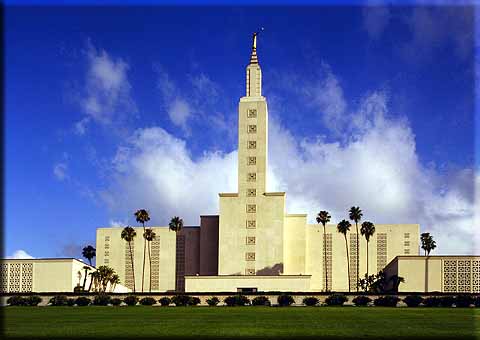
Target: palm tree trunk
325,257
367,260
150,262
90,285
133,269
348,262
358,255
144,251
84,280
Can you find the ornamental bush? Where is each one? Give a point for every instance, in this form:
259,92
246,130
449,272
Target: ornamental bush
236,300
447,301
260,301
181,300
213,301
463,300
431,301
116,302
310,301
386,301
361,300
33,300
413,300
130,300
83,301
336,300
148,301
476,301
165,301
194,301
285,300
17,301
59,300
101,299
71,302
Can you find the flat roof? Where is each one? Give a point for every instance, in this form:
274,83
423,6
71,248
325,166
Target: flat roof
50,259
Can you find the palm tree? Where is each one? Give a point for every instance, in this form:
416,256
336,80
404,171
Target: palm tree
367,230
105,274
176,224
149,235
142,217
86,268
89,253
94,280
344,227
428,244
114,280
356,214
128,234
324,217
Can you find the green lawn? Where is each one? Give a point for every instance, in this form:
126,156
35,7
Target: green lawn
142,321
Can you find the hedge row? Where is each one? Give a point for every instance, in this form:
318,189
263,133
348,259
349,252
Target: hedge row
242,300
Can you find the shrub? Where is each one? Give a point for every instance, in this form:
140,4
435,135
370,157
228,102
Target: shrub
431,301
260,301
17,301
386,301
78,289
130,300
165,301
336,300
213,301
148,301
101,300
285,300
116,301
413,300
193,301
33,300
181,300
463,300
70,302
361,300
83,301
446,301
476,301
59,300
310,301
236,300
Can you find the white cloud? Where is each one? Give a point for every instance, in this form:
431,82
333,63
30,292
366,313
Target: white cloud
118,224
107,98
20,254
179,111
60,171
376,167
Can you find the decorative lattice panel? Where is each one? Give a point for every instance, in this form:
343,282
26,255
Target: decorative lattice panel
476,276
252,129
14,277
464,275
450,275
251,224
250,271
4,277
251,208
27,277
155,253
382,251
252,144
128,265
250,240
252,113
250,256
251,177
251,192
180,264
353,261
251,160
106,255
327,270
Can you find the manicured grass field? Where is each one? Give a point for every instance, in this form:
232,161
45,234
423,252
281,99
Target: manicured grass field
337,322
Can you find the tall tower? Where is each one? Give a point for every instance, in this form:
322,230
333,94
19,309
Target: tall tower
251,220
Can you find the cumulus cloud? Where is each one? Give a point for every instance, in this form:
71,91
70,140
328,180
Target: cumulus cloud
20,254
60,171
106,98
375,167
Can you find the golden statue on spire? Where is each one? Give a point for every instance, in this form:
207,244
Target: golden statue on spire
254,45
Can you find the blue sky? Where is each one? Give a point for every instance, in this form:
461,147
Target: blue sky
111,109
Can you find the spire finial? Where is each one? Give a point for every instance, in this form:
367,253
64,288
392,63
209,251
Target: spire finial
253,57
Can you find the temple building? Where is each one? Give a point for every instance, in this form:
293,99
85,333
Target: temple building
254,243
